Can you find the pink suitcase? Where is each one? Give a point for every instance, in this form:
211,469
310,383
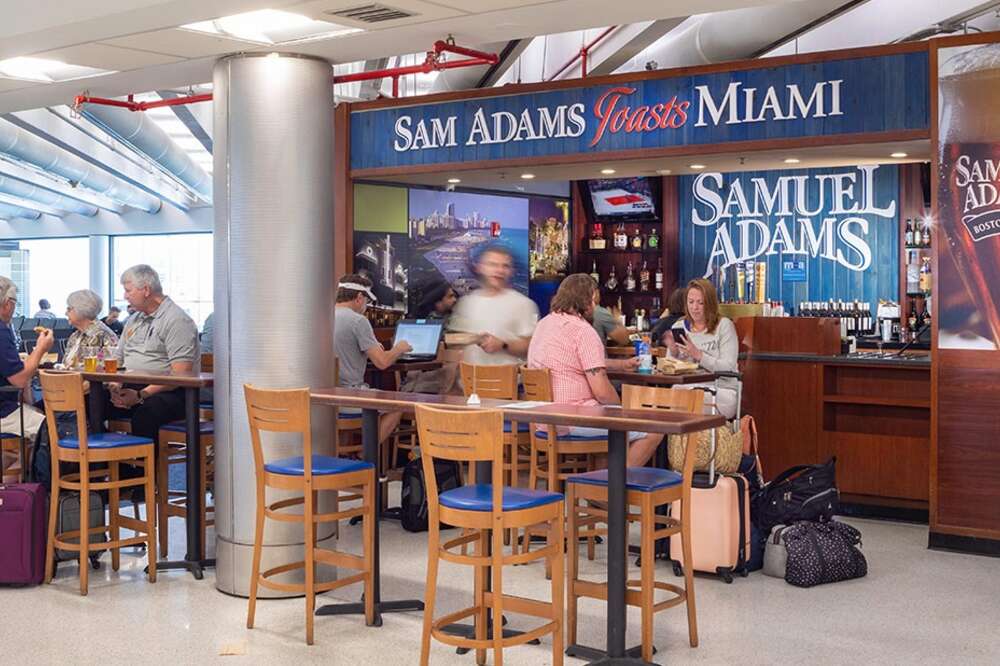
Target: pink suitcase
720,526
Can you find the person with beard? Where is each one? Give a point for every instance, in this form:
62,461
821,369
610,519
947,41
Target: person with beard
566,343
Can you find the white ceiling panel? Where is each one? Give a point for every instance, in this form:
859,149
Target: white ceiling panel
181,43
322,10
103,56
12,84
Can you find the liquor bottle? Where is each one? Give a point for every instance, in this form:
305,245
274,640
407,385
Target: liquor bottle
612,283
629,278
659,275
911,322
925,280
644,277
621,238
653,240
637,240
909,233
620,311
640,320
597,240
912,274
595,274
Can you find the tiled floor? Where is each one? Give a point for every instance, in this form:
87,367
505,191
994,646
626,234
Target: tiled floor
915,606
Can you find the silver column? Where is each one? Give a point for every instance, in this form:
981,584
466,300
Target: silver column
99,279
273,281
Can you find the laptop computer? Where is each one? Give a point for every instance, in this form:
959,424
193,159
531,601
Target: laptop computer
424,335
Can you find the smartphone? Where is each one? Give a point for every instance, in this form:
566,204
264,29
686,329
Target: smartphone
679,335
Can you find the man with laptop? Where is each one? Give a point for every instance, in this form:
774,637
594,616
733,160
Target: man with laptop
355,344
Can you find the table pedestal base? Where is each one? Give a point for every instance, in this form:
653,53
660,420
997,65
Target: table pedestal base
194,567
596,656
358,608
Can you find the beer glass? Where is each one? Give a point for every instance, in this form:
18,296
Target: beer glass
89,359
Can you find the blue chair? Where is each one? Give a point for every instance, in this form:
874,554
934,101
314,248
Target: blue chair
287,411
63,392
484,511
646,488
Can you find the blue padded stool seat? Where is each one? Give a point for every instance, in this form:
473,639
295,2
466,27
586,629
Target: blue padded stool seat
206,405
522,426
642,479
341,414
204,427
572,438
479,497
321,466
8,435
105,440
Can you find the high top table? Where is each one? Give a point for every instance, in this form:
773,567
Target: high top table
659,379
191,382
616,420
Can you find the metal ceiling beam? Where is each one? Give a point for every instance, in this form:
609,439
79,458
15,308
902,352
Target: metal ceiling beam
372,89
188,114
624,44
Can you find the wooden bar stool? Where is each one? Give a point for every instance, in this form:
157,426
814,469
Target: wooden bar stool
471,436
646,488
554,458
11,445
287,411
63,392
173,503
500,382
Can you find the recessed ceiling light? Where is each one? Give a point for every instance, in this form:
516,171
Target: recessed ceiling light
607,172
792,160
45,70
898,155
697,166
454,181
527,176
271,26
663,172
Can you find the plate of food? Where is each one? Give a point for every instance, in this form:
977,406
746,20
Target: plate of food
673,366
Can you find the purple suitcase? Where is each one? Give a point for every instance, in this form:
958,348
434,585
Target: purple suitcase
23,518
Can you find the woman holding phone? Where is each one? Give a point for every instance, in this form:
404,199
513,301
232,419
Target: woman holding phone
708,339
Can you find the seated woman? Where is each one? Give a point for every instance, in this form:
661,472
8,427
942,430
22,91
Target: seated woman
82,308
709,339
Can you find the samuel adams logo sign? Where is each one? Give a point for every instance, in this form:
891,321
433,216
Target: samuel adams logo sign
861,95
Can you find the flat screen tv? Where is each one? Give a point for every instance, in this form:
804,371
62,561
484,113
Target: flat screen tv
622,198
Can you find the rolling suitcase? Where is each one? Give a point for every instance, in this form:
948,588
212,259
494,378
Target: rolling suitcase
720,520
68,519
23,511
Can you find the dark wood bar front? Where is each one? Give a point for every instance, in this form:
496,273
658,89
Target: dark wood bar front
872,413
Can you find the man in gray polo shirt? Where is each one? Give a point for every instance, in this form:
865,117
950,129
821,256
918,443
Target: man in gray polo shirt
159,337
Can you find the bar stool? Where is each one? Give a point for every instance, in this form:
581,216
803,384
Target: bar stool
488,509
555,458
63,392
173,503
11,444
287,411
646,488
500,382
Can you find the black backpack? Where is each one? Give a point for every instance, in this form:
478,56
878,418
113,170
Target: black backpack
41,456
413,512
803,492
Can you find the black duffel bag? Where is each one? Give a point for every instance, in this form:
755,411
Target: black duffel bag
803,492
823,553
413,497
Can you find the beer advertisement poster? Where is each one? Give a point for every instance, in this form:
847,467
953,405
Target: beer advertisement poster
968,299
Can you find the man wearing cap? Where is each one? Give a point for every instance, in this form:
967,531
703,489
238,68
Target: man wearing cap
354,342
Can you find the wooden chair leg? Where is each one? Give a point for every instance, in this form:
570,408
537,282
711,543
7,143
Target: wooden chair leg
258,542
310,562
647,526
50,549
84,531
558,589
368,527
688,574
497,569
150,516
478,589
433,547
163,497
114,502
572,568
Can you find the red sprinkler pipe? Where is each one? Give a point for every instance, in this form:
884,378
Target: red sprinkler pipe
132,105
582,55
432,63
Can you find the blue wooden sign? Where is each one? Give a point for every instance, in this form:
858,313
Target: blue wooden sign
888,93
841,224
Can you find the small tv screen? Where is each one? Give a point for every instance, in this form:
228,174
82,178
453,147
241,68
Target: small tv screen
622,197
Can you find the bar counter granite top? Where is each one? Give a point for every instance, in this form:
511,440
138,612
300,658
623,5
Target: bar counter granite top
886,359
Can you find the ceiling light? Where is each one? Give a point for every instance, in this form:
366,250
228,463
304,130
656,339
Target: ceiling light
792,160
697,166
45,70
607,172
663,172
527,176
454,181
271,26
898,155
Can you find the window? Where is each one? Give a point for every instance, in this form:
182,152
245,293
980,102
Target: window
49,268
184,262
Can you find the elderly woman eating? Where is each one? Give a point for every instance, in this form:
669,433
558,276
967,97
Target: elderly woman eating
82,308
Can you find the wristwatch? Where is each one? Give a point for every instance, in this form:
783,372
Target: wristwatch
139,395
504,346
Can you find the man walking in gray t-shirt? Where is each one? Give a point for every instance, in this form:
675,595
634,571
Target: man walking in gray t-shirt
354,342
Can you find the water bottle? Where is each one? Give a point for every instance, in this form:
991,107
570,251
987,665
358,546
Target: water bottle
645,357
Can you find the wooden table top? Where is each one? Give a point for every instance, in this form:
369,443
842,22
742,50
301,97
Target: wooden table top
178,379
660,379
412,366
629,351
609,417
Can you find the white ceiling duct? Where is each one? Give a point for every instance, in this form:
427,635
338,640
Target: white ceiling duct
19,188
732,35
10,212
141,132
27,147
